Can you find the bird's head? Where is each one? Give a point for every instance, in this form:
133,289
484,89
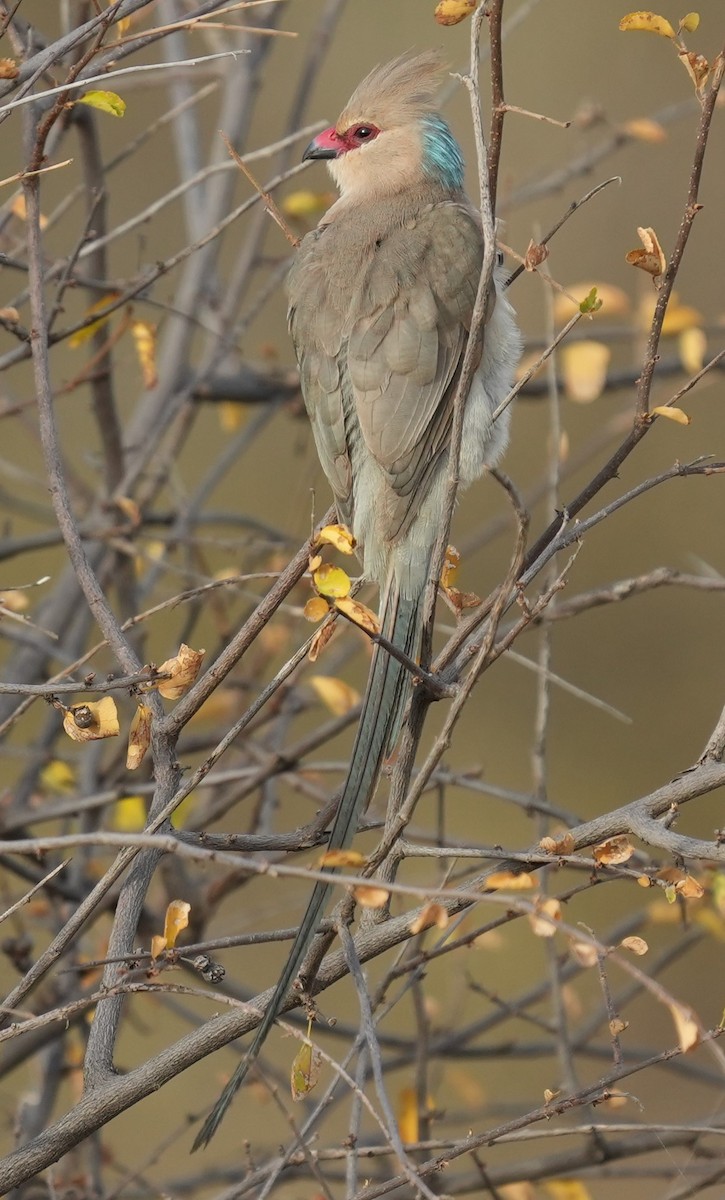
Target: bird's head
389,136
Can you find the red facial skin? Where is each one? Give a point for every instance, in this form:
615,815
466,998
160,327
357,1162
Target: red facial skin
331,144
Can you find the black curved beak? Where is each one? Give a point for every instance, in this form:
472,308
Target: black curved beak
315,151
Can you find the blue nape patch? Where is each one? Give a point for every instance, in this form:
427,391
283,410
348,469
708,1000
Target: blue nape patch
442,158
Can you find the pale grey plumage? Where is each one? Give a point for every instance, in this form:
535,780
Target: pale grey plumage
381,297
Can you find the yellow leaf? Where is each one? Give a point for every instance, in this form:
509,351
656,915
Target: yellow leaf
550,1095
692,345
680,316
335,694
452,12
129,814
614,851
358,613
686,1024
144,339
616,1100
636,944
369,896
231,415
517,1191
315,609
9,314
510,881
648,22
650,259
305,1070
139,737
107,102
338,536
158,945
644,129
644,881
175,921
331,581
584,370
566,1189
15,600
8,68
617,1026
129,508
86,333
690,22
306,205
59,777
408,1115
92,721
431,914
615,301
182,670
342,858
543,920
314,562
671,414
19,210
451,563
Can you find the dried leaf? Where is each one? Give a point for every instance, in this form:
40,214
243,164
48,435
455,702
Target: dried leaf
15,600
650,259
692,347
139,737
358,613
510,881
305,1070
338,536
644,129
182,670
92,721
614,851
129,814
563,843
543,921
408,1115
332,581
452,12
583,953
107,102
566,1189
335,694
678,415
536,253
584,369
461,600
176,920
431,914
550,1095
18,209
86,333
617,1026
158,945
316,609
144,339
320,640
369,896
636,944
616,1100
10,314
8,68
686,1024
451,563
648,22
697,68
690,888
342,858
130,509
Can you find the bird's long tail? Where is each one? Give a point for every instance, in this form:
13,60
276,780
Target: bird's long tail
385,697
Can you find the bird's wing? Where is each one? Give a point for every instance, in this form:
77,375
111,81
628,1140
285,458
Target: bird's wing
406,345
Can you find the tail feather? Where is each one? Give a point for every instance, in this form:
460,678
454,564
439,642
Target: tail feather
382,712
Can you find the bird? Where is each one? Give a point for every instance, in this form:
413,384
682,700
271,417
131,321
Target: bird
381,295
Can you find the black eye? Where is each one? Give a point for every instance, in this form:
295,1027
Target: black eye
363,131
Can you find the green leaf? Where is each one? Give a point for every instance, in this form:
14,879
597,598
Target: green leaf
108,102
590,303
